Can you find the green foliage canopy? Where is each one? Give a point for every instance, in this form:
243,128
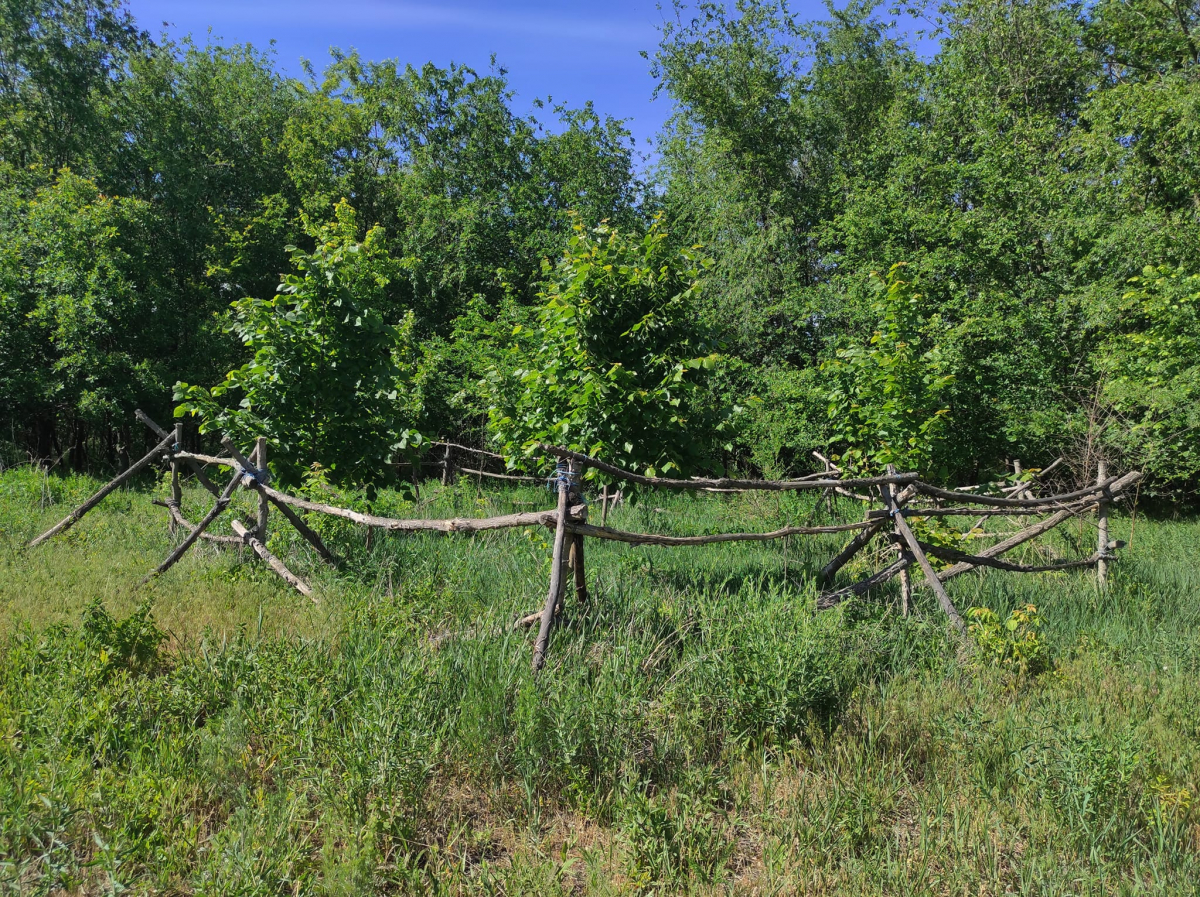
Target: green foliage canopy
326,381
886,401
1025,171
1151,362
613,364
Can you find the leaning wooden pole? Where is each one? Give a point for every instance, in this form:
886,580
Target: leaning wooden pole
1018,538
556,571
855,545
176,488
221,504
273,562
826,600
301,527
75,516
939,590
180,521
197,469
254,482
1102,530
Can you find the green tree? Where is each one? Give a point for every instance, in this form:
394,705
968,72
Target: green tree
326,384
887,398
1040,159
1151,366
1145,38
613,364
85,334
62,63
474,194
464,185
188,179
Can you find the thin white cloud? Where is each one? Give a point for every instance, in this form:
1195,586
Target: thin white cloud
494,18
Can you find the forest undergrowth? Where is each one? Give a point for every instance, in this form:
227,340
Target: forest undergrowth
698,727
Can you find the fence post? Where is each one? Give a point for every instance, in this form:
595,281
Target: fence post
556,569
576,563
575,556
1102,530
905,574
176,489
905,591
264,506
446,468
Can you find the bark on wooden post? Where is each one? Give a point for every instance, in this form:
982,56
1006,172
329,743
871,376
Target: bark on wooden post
579,514
264,506
447,470
176,489
889,499
1102,530
576,564
556,570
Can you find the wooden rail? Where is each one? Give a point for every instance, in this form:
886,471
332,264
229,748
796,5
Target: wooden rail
814,481
571,528
616,535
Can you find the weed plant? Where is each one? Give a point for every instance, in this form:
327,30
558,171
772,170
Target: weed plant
698,727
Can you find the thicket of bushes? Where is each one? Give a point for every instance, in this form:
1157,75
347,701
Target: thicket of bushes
1038,176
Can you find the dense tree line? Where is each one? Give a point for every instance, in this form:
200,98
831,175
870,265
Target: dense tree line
940,262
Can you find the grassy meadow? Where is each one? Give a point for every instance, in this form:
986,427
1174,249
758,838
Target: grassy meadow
698,727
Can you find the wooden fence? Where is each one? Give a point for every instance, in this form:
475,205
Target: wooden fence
899,496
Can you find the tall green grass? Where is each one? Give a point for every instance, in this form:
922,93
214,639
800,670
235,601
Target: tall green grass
698,726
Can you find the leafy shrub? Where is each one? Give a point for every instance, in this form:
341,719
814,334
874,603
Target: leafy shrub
614,363
886,403
1012,643
1152,364
327,383
130,644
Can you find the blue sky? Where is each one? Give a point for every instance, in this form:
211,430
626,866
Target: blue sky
572,52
